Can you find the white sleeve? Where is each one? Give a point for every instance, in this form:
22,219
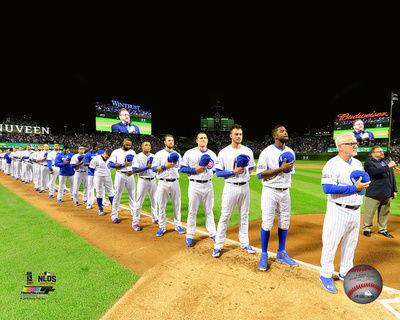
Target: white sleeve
329,174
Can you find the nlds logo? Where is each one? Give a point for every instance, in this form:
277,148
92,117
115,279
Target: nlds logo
47,278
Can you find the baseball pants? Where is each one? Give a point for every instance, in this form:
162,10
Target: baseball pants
165,190
102,184
200,193
145,186
275,202
90,191
339,224
52,180
231,196
44,177
80,178
123,181
62,182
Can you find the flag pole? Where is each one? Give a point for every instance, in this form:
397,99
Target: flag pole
390,123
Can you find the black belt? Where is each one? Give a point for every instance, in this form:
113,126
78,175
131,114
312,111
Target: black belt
199,181
81,171
168,180
122,171
346,206
238,183
279,189
146,178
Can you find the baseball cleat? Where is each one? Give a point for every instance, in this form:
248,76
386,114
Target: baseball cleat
180,230
216,253
51,196
36,189
341,277
284,257
89,206
189,242
59,201
155,221
213,237
249,249
77,204
115,220
328,284
101,213
263,265
160,232
136,227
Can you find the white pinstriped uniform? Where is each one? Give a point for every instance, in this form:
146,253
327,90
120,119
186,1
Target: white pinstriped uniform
146,185
168,186
200,192
234,194
275,201
340,223
122,181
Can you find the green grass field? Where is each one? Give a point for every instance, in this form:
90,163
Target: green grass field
88,282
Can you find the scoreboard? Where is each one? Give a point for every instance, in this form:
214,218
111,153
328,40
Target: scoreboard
216,124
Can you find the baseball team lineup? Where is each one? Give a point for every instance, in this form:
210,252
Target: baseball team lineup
158,175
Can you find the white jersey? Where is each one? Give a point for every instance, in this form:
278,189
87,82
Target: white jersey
26,153
51,156
75,160
227,160
101,166
118,156
269,160
337,172
40,155
160,159
191,158
141,160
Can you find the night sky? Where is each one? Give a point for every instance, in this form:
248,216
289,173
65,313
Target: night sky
260,80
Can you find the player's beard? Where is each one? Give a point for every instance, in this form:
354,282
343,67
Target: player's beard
284,140
126,148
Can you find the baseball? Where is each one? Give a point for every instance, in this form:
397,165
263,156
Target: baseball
363,284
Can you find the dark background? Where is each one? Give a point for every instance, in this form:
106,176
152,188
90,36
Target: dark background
263,73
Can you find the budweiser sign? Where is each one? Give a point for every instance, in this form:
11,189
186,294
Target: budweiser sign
348,116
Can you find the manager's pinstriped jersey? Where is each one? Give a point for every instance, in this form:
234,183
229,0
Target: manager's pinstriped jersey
337,172
269,160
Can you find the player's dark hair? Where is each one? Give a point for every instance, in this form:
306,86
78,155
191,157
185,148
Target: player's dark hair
168,135
128,139
236,126
65,147
275,129
94,145
107,151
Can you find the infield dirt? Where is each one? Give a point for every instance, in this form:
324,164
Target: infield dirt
188,283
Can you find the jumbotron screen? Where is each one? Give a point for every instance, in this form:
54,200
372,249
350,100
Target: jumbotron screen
365,126
123,118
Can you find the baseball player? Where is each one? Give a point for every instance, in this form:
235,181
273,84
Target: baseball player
80,176
53,170
120,160
236,189
276,175
63,161
342,219
95,151
7,158
146,183
102,178
200,174
44,169
166,164
26,164
17,163
36,167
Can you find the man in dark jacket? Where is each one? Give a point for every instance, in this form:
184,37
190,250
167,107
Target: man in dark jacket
381,190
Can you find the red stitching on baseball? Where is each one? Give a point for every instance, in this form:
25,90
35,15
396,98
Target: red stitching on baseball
362,286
